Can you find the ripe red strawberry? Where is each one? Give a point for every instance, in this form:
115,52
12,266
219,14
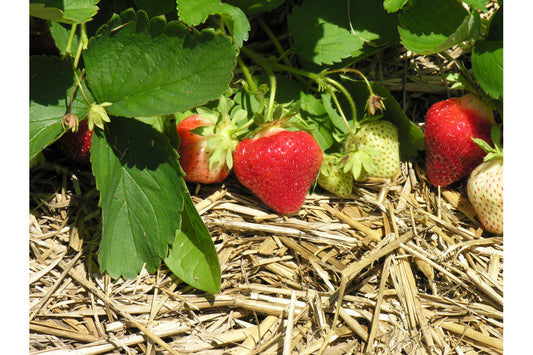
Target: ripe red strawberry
278,166
76,145
450,126
205,150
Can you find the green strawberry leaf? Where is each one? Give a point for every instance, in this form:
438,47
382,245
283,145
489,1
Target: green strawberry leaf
71,11
61,33
51,83
253,7
50,79
141,196
193,257
195,12
393,5
155,8
326,32
150,67
428,27
487,62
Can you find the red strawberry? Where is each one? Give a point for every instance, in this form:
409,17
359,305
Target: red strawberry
450,126
205,150
278,166
77,145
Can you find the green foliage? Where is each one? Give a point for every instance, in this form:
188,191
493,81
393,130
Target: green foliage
253,7
193,255
66,11
487,62
428,27
326,32
50,78
136,72
487,58
148,67
136,173
195,12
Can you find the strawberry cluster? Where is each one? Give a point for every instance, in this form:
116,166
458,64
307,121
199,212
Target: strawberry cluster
457,136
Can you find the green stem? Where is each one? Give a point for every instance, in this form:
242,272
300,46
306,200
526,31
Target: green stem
70,38
82,45
266,65
275,41
337,103
348,97
283,67
346,70
81,88
247,75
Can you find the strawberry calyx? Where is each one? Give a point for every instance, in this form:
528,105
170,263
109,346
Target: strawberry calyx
227,125
495,151
97,115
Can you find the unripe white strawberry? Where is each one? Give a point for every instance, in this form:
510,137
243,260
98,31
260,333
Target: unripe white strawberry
485,192
485,184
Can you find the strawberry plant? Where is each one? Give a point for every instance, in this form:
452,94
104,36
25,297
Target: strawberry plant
135,72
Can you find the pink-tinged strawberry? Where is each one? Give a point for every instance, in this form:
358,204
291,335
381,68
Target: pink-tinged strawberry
76,145
485,186
450,126
279,167
205,149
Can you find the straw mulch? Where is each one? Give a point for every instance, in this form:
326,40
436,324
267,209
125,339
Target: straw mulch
399,268
418,277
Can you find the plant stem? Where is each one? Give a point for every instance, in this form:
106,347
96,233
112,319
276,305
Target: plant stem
275,41
350,129
247,75
345,70
70,38
348,97
266,65
82,45
81,88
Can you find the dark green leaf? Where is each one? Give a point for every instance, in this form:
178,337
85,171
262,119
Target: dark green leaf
155,8
193,257
195,12
487,62
50,79
141,195
496,26
326,32
428,27
149,68
253,7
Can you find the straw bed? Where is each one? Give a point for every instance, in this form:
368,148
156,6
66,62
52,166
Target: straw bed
398,269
